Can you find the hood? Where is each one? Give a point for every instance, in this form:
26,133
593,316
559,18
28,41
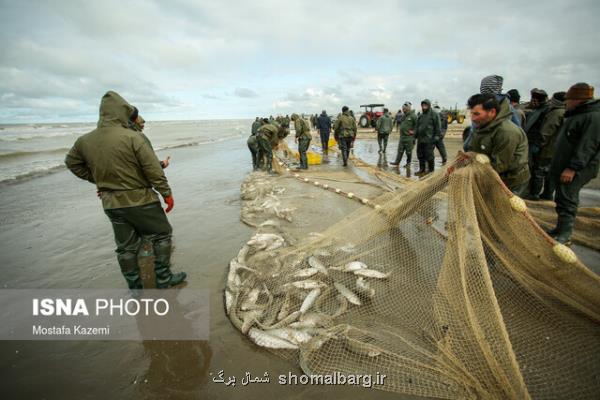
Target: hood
504,114
324,114
428,102
588,106
114,110
295,116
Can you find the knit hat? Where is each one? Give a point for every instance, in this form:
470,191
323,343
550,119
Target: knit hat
491,84
558,99
514,95
580,91
407,104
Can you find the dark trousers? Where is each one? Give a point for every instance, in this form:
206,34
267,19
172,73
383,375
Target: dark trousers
303,144
324,139
405,145
129,225
267,151
439,144
382,140
345,145
538,168
567,194
425,155
256,152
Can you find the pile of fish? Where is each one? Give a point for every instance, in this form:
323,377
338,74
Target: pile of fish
261,197
284,298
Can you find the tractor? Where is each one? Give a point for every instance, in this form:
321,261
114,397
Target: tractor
370,117
454,115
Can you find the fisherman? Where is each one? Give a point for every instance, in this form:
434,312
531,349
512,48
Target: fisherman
541,159
125,169
398,119
345,127
254,147
578,160
496,136
324,127
427,129
384,127
407,135
515,101
439,140
268,137
303,138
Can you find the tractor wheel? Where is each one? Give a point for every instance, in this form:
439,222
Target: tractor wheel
450,118
363,121
460,119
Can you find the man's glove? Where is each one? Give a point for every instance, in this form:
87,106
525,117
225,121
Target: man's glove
170,203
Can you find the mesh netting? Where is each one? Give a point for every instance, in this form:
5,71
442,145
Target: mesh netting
447,287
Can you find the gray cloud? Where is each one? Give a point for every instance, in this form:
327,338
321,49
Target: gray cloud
245,93
177,58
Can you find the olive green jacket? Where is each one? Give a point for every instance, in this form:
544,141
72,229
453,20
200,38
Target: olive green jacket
408,123
345,125
119,160
578,142
385,124
270,132
255,126
506,145
301,127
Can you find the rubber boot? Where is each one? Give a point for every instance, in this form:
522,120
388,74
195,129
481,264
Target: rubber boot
431,166
134,281
129,268
162,265
565,229
421,170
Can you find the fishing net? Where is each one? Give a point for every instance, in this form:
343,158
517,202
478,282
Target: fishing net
447,285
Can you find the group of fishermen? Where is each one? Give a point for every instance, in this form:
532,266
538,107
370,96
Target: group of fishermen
548,148
267,132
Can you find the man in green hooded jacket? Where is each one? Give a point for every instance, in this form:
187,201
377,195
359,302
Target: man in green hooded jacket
577,159
303,138
268,136
496,136
128,175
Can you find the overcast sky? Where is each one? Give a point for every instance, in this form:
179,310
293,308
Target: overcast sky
195,59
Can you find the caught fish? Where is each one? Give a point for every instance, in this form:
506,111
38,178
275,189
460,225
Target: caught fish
363,287
310,300
228,301
307,284
347,293
291,335
371,273
267,340
249,319
305,273
270,222
250,299
351,266
348,248
317,264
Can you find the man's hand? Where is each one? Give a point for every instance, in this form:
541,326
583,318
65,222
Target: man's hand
170,203
166,162
567,175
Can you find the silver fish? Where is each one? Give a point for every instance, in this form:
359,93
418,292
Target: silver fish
305,273
316,263
310,300
307,284
348,294
371,273
264,339
348,248
354,266
291,335
363,287
285,307
251,299
249,319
